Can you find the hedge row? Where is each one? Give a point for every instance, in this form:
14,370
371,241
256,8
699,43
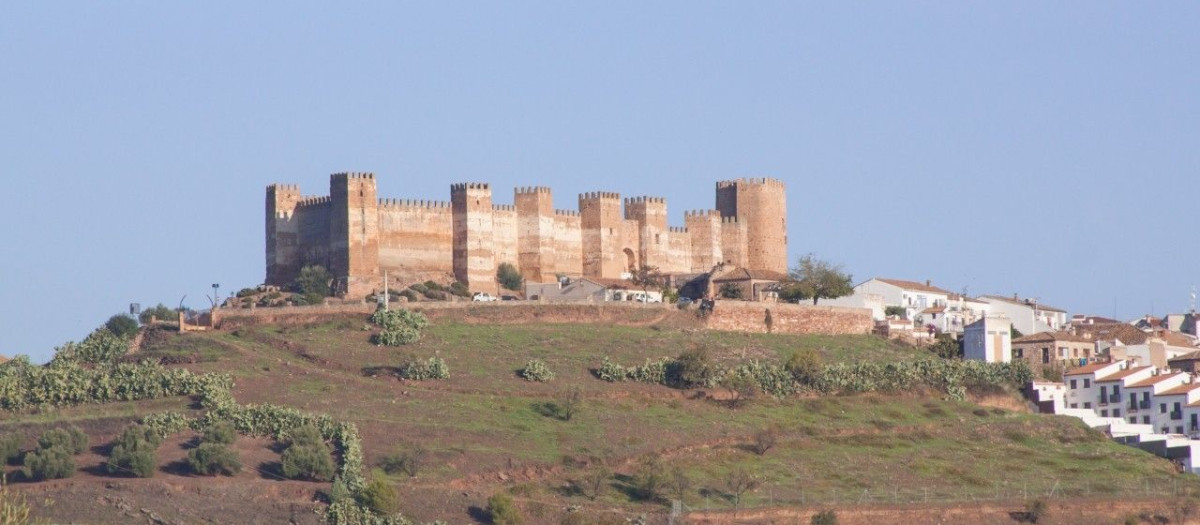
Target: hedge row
24,385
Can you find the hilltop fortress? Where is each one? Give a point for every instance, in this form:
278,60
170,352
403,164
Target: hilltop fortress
357,235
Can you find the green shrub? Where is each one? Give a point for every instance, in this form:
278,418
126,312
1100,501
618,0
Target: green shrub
210,459
122,325
460,289
502,510
305,436
400,327
536,370
71,439
49,463
433,368
313,280
101,346
693,368
825,517
339,492
133,452
310,462
380,497
220,432
407,462
804,366
509,277
650,480
10,448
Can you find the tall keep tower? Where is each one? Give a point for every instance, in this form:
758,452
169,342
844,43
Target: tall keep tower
601,231
283,242
354,231
474,257
535,233
761,206
651,216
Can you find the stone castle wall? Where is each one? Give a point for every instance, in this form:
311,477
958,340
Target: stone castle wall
359,237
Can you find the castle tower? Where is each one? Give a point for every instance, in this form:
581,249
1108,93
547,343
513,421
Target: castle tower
760,205
654,236
282,234
601,225
704,232
734,242
354,232
535,233
474,258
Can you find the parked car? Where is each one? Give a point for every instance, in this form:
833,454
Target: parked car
482,297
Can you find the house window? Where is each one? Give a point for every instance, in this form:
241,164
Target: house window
1103,413
1073,385
1087,404
1087,382
1074,405
1116,391
1145,420
1162,408
1019,353
1178,430
1116,412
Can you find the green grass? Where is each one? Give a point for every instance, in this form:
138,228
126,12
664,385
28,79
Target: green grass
485,420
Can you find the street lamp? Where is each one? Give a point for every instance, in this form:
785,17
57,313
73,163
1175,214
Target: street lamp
216,294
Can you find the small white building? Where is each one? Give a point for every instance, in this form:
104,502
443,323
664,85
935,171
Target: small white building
1110,388
1027,315
1082,392
989,340
1169,411
913,296
1139,397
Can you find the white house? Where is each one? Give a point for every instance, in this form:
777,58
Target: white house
1167,410
1027,315
1081,387
988,340
1139,397
1110,388
913,296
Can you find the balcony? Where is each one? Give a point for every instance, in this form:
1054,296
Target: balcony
1114,398
1176,416
1144,404
1194,427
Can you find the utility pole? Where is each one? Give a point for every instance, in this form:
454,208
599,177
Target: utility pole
387,296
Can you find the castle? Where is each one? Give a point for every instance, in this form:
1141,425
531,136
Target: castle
358,236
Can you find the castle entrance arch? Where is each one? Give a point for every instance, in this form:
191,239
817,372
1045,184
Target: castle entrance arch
631,260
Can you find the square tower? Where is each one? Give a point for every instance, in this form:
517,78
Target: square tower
535,233
760,206
653,241
354,232
474,255
283,242
601,229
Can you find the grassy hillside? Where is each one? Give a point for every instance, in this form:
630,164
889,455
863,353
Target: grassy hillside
485,429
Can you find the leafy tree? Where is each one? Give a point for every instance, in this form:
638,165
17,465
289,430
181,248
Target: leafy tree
122,325
49,463
10,448
219,432
947,348
159,312
815,279
646,277
741,388
305,435
409,461
649,481
502,511
71,439
730,291
804,365
311,462
133,452
210,459
896,311
380,497
313,280
693,368
1013,333
509,277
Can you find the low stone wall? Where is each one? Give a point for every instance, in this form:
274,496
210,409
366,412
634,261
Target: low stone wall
732,316
786,318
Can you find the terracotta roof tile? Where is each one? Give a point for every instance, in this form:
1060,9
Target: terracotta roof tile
1181,389
913,285
1125,332
1121,374
1154,380
1086,369
1194,356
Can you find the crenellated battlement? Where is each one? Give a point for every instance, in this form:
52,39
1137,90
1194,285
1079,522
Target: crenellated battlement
701,214
359,236
750,181
600,195
464,186
314,200
409,203
645,200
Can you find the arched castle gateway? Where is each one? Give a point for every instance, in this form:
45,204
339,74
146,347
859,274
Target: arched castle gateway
358,236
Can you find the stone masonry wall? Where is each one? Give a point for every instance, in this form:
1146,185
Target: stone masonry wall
739,316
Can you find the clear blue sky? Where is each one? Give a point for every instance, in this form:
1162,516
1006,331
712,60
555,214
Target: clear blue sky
1049,149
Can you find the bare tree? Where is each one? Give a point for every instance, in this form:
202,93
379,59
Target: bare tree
570,403
592,482
679,483
738,481
765,439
